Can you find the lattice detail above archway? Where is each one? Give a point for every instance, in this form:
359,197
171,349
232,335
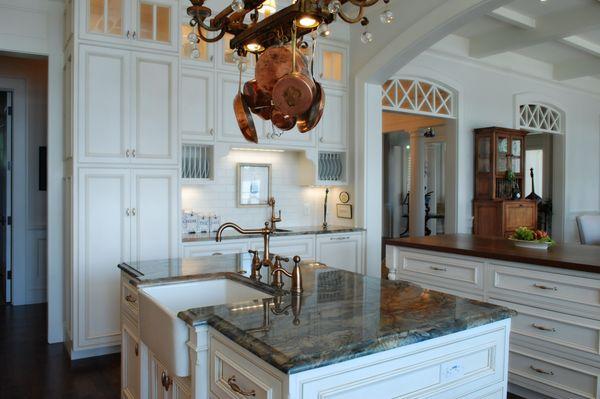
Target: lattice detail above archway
540,117
417,96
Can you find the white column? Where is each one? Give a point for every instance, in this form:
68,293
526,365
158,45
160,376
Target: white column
416,214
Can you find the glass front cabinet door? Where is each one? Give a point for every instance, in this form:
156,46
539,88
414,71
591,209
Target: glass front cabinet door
332,63
142,23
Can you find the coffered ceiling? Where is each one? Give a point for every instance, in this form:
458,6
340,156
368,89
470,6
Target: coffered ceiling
563,33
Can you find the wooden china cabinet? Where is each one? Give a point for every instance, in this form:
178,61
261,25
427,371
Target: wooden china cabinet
499,175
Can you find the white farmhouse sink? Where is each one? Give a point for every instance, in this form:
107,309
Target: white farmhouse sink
164,333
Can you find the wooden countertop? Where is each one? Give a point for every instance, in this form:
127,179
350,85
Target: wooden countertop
565,256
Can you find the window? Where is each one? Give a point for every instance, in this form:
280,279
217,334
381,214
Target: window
417,96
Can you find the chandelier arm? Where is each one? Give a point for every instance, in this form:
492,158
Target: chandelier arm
363,3
214,39
351,20
210,28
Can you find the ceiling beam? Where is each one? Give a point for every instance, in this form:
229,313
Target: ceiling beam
577,69
582,44
514,18
548,27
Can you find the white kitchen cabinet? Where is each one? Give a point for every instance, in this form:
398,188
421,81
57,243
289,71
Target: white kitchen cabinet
68,105
142,23
342,251
293,137
104,106
196,105
204,56
103,235
154,106
333,128
227,127
332,63
130,365
154,201
163,385
123,118
126,215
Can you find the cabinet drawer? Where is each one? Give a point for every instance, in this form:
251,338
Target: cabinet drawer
571,332
445,371
129,299
289,246
551,291
578,380
234,376
443,270
222,248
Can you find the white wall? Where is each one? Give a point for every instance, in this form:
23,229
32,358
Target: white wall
487,98
29,235
300,205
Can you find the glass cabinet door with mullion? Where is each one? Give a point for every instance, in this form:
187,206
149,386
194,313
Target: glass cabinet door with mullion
106,17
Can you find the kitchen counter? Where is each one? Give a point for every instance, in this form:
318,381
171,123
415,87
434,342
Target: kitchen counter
292,231
339,316
565,256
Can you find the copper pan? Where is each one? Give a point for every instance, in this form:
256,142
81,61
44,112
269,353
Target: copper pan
244,118
258,101
310,119
273,64
282,121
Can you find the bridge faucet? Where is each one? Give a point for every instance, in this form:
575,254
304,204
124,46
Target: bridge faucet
265,232
273,218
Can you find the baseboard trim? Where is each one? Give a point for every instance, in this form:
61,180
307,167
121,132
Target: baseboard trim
85,353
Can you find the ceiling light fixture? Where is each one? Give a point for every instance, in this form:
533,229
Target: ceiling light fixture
307,21
254,47
268,7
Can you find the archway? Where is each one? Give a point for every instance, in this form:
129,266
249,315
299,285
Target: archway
400,49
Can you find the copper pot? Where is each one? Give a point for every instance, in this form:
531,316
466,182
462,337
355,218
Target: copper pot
258,101
293,94
282,121
244,118
310,119
273,64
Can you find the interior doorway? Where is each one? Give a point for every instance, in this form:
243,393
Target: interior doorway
397,172
5,195
23,178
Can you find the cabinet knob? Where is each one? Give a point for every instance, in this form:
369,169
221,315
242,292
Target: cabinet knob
134,35
128,35
133,211
320,139
131,299
211,131
166,381
127,212
127,153
211,58
137,349
133,153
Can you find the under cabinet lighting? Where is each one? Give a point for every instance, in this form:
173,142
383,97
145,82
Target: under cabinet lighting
256,149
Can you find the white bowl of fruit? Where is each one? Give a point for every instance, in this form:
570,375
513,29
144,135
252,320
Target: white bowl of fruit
528,238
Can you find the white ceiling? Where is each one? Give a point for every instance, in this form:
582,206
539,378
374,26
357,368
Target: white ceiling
562,33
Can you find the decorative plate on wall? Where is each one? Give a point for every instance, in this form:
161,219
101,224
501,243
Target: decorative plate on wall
344,197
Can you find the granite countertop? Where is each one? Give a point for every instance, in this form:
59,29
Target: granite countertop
290,231
339,316
564,256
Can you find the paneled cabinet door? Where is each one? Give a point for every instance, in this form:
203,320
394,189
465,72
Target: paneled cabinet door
342,251
154,214
104,105
227,127
333,128
130,365
196,105
332,63
106,20
156,23
154,105
103,241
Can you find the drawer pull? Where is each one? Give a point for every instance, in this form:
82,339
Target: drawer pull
130,298
340,238
541,371
216,254
236,388
439,269
543,328
166,381
137,350
545,287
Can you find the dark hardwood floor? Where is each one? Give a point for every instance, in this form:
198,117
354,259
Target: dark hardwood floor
30,368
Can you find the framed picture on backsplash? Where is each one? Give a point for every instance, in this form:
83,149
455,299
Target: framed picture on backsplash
344,211
253,184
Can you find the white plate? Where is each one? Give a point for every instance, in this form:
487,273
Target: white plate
530,244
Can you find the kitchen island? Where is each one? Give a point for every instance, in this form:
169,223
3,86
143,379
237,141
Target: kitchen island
555,338
345,336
